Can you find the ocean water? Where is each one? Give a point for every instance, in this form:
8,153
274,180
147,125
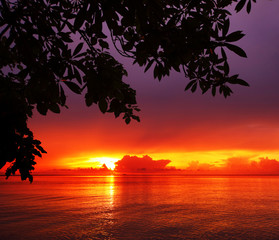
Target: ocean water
139,207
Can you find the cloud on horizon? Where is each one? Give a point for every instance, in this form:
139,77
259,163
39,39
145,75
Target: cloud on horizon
236,165
140,164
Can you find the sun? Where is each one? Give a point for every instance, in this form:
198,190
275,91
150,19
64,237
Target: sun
108,161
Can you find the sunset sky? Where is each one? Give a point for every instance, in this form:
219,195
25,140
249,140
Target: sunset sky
175,125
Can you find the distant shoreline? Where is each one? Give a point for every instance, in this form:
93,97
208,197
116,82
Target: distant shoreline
149,174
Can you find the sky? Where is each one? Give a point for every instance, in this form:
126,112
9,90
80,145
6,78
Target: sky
190,130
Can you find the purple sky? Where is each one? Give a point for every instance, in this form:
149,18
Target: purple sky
175,121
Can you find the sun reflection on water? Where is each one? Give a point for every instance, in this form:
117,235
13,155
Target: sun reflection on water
111,190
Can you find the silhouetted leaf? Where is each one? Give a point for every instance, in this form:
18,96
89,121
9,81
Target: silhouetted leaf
36,57
240,5
77,76
62,96
36,152
242,82
235,80
103,44
194,87
176,67
54,108
30,177
213,90
149,65
67,39
237,50
155,72
103,105
78,48
226,27
88,100
136,118
248,7
127,120
190,84
224,55
226,68
235,36
41,149
42,108
73,86
80,18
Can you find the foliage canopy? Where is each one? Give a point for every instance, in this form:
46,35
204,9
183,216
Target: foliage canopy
49,45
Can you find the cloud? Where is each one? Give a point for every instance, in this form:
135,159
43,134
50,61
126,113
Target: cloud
196,166
265,165
236,165
140,164
231,166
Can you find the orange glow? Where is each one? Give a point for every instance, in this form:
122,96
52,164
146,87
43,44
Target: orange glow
71,145
86,161
108,161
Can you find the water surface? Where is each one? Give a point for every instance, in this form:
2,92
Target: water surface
139,207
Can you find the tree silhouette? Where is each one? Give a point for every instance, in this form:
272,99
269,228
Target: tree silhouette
49,45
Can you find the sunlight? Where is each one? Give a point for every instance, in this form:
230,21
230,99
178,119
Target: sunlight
108,161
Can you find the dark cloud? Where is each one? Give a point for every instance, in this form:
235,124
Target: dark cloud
140,164
235,166
265,165
196,166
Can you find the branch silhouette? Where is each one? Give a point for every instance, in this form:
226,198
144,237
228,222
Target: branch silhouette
48,45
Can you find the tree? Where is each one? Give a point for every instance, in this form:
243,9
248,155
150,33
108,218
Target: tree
49,45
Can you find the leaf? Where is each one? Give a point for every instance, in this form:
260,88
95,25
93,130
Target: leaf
54,108
127,47
19,67
248,7
233,80
73,86
194,87
155,71
226,27
103,44
136,118
77,75
36,142
41,149
237,50
67,39
30,177
42,109
235,36
70,72
88,100
226,91
81,55
78,48
62,96
149,65
240,5
103,105
176,67
127,120
36,152
213,91
224,55
80,18
242,82
189,85
226,68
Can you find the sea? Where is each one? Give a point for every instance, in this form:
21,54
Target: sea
139,207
